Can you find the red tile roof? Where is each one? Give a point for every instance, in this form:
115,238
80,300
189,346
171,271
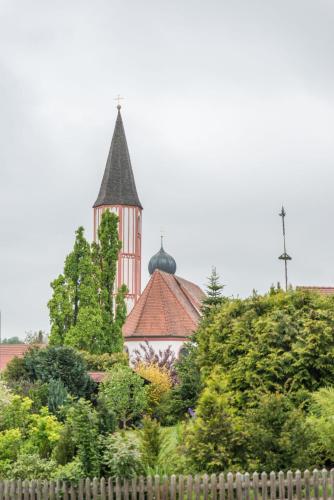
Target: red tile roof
97,376
323,290
10,351
168,307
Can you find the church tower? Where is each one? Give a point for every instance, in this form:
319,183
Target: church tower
118,193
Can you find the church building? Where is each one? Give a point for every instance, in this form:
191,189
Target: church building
169,309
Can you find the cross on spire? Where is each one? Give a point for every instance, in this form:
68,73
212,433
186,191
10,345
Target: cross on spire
162,236
119,99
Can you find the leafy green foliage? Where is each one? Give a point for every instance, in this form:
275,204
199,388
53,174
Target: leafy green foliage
279,436
185,394
60,363
82,419
124,394
104,362
15,414
121,456
43,434
214,292
57,395
10,444
82,310
151,441
72,290
12,340
266,343
215,439
31,466
321,420
72,471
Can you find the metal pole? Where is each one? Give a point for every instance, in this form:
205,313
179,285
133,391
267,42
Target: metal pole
284,255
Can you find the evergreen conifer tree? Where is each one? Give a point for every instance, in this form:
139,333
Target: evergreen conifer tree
214,292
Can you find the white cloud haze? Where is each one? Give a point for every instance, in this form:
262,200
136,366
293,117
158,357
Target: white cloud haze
228,113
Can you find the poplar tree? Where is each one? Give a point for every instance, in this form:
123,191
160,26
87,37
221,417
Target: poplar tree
86,311
112,302
72,290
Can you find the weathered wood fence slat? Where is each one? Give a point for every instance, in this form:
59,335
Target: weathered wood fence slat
315,485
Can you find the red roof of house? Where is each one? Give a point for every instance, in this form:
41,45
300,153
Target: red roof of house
97,376
168,307
10,351
323,290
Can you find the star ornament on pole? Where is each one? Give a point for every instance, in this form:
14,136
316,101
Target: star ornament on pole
285,257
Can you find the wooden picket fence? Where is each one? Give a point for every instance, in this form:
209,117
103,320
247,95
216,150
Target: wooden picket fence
289,486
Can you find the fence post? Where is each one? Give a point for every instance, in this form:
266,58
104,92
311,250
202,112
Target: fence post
149,489
25,490
324,483
87,488
298,485
238,483
189,487
118,489
264,486
281,487
141,489
247,486
316,483
6,489
12,489
133,489
272,485
197,487
307,484
181,487
19,489
256,486
213,482
45,490
52,491
157,487
221,486
290,484
230,486
205,487
332,484
173,487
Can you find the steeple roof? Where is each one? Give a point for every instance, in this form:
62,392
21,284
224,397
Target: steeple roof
118,184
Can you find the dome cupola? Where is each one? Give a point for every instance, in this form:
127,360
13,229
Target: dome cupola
162,261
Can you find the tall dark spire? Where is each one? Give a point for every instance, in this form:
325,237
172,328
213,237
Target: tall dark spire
118,184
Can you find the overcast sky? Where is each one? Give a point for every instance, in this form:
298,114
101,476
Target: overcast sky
228,113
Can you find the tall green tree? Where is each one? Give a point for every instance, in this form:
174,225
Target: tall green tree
112,301
214,292
281,341
86,310
73,290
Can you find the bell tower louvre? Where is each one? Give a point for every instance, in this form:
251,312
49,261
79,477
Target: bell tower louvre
118,193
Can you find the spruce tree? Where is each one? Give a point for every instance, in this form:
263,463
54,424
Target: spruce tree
214,292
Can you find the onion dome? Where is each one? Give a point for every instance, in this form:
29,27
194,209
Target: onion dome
162,261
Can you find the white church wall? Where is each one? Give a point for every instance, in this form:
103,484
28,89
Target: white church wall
158,345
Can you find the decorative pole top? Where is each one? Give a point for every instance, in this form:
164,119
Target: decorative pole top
119,99
285,257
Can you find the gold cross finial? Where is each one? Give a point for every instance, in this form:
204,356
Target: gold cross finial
119,99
